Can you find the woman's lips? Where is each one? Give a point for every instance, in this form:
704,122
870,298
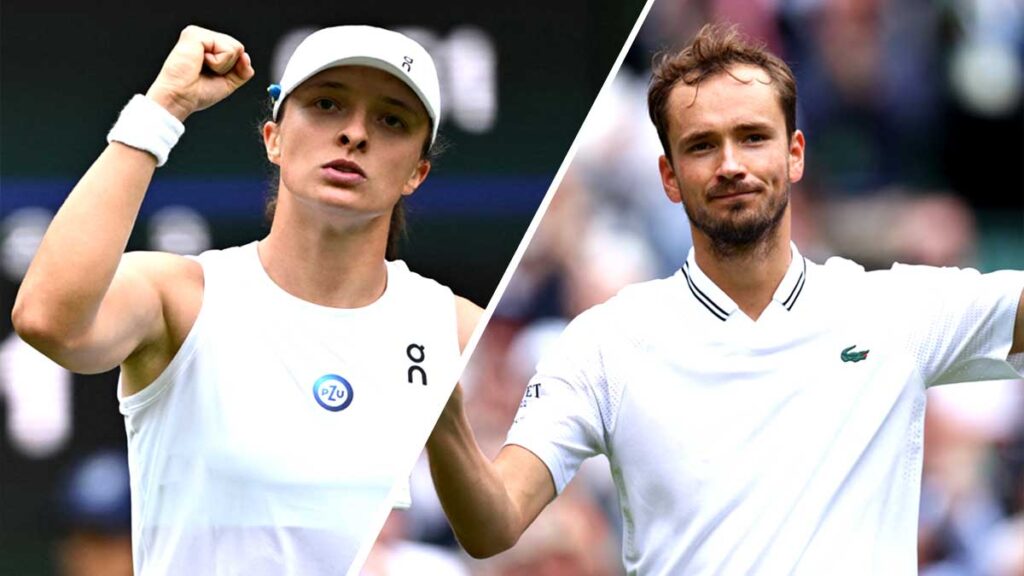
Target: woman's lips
342,177
343,172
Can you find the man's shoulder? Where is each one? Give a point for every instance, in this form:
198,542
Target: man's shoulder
897,288
640,293
638,298
843,277
633,309
836,267
848,273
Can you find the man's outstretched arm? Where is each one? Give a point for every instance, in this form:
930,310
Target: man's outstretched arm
489,504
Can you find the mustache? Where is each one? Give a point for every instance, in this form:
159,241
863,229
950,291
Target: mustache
732,187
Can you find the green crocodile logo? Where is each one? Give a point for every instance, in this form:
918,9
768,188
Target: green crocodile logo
848,356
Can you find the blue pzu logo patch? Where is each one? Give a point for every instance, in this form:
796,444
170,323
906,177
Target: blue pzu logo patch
332,392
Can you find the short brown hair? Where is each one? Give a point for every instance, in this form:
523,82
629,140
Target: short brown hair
714,50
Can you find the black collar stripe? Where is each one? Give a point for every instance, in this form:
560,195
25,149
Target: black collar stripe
701,293
703,298
793,291
797,289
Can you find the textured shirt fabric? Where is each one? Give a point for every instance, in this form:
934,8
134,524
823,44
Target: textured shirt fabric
277,436
792,444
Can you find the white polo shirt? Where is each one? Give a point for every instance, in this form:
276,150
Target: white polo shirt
788,445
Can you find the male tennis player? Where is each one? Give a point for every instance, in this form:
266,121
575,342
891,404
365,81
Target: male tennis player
762,413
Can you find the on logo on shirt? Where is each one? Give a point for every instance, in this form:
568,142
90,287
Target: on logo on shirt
417,353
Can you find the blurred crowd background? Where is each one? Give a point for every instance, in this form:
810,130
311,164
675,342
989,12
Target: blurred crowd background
914,117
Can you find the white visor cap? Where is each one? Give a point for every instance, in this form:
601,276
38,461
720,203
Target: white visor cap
378,48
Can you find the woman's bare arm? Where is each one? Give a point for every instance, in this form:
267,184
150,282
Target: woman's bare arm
83,302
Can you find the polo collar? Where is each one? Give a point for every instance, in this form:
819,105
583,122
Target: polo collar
709,295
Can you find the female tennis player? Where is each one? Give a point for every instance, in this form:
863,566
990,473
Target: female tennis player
274,394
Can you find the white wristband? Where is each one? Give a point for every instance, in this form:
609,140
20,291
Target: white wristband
148,126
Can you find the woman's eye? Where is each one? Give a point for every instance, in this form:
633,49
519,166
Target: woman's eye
392,121
325,104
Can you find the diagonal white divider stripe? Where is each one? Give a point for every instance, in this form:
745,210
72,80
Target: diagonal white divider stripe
546,201
377,526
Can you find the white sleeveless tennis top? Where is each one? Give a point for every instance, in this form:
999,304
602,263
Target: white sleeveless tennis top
273,439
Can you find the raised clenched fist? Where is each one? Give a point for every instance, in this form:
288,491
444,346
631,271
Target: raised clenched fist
203,68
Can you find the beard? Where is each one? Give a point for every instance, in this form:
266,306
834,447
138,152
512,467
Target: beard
744,228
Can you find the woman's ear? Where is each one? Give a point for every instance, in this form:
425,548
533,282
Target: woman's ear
272,142
417,177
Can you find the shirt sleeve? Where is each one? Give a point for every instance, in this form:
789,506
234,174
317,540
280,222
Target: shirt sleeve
962,322
561,418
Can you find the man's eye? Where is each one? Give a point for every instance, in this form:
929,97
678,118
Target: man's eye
699,147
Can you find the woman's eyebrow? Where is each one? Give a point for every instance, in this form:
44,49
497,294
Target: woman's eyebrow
397,102
392,100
